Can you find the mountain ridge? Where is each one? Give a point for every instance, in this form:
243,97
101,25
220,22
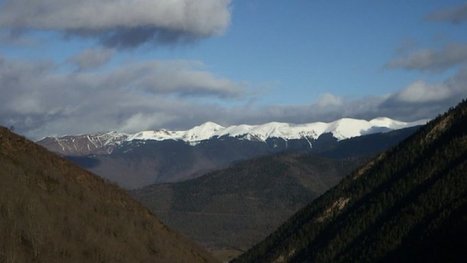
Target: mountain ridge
138,163
105,142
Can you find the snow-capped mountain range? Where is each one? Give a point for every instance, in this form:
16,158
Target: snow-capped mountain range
142,158
340,129
345,128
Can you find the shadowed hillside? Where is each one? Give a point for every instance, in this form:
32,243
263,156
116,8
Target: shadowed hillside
53,211
230,210
407,205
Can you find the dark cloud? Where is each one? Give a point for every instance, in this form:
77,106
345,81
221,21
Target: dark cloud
455,15
432,60
92,58
120,24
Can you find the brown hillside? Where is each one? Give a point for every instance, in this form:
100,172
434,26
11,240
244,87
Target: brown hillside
53,211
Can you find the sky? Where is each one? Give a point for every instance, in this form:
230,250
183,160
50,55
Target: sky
72,67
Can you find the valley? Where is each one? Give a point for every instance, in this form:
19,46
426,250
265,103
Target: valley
186,131
229,193
234,208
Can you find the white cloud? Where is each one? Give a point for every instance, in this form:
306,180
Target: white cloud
141,121
186,78
120,23
421,92
329,100
38,99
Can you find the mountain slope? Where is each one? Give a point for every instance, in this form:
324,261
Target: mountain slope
407,205
234,208
134,165
140,159
99,143
53,211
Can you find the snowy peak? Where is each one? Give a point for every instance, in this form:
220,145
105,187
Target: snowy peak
198,133
202,132
158,135
340,129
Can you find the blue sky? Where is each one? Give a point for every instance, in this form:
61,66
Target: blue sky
234,61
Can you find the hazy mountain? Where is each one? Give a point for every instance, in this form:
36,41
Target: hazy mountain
158,156
407,205
230,210
135,164
53,211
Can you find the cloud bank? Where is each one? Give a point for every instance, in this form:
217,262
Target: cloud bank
40,100
120,23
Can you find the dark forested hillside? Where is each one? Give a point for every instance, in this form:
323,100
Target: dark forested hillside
53,211
232,209
407,205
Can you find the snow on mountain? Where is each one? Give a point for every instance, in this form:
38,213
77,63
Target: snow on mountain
202,132
85,143
195,134
158,135
341,129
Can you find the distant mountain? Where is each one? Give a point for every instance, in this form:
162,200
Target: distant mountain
341,129
145,158
53,211
407,205
230,210
99,143
135,164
